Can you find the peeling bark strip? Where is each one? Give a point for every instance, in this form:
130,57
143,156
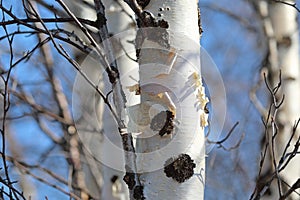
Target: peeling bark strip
147,19
181,168
158,34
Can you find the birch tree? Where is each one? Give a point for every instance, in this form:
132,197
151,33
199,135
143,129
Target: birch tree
99,150
170,154
169,122
280,175
160,127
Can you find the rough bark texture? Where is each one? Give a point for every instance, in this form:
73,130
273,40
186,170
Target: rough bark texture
170,147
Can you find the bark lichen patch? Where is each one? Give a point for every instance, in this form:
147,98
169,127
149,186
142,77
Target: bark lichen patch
180,168
138,193
163,122
129,178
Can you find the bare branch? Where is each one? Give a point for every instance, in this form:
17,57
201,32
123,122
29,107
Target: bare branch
47,20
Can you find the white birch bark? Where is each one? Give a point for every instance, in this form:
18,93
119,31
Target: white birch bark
104,161
281,28
118,22
171,95
286,32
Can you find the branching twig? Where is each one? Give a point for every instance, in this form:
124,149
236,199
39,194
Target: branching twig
47,20
282,163
5,95
220,143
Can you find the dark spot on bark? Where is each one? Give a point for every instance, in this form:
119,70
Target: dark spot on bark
127,142
162,24
285,41
180,169
129,178
101,20
160,9
163,122
114,178
137,53
159,14
206,111
113,74
138,193
138,91
199,22
148,20
168,8
143,3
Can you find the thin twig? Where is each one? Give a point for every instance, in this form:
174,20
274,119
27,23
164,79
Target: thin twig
47,20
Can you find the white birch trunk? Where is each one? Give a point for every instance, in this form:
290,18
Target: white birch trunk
286,32
117,23
103,162
171,96
283,35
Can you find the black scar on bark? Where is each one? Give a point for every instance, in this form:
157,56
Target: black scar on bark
129,177
163,122
101,20
114,178
199,22
180,169
138,193
143,3
160,36
127,145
